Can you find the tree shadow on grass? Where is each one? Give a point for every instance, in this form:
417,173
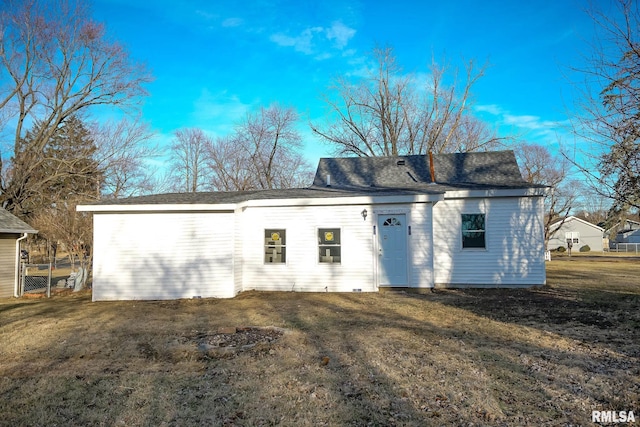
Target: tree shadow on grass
593,317
392,359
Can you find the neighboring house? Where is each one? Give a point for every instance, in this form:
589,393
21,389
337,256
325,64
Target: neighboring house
628,236
627,231
12,231
460,220
577,231
634,237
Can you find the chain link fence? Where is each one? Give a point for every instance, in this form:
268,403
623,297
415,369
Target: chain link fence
35,278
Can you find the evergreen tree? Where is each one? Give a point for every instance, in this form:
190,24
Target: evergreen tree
64,170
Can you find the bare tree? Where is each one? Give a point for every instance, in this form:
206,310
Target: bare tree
231,166
262,153
272,139
60,224
55,62
188,155
389,113
123,155
539,166
609,104
64,168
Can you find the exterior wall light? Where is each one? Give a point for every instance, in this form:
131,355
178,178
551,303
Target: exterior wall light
364,214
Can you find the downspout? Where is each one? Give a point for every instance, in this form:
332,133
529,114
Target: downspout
17,278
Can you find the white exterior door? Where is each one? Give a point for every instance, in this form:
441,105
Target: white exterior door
392,250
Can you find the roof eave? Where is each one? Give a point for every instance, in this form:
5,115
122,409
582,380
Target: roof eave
165,207
18,231
497,192
230,207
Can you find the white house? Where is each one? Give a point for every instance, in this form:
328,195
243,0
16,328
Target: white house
457,220
577,231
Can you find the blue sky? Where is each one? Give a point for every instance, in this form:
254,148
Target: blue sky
215,61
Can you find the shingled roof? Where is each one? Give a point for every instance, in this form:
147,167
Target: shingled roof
471,170
372,176
10,223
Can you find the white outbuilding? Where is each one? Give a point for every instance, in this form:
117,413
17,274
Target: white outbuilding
451,220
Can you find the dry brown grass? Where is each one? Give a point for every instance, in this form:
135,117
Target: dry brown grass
546,356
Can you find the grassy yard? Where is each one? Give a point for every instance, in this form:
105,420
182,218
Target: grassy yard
545,356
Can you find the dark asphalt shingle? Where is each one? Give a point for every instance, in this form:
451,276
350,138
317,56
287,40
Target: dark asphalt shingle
10,223
373,176
498,168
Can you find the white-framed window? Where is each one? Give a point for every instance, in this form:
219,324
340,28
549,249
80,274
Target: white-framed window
329,245
473,231
572,237
275,246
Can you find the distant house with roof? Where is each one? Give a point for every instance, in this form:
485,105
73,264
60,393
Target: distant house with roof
626,231
12,231
577,233
452,220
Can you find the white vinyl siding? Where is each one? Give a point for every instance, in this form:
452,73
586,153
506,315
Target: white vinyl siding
7,266
237,249
302,271
153,256
421,246
169,255
514,243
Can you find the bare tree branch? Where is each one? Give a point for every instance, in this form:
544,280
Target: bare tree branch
608,106
539,166
188,155
389,113
123,155
55,63
262,153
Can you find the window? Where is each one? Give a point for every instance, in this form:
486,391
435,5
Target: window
473,231
391,222
572,237
329,245
275,246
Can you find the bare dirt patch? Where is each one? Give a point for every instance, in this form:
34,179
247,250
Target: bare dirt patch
229,343
542,356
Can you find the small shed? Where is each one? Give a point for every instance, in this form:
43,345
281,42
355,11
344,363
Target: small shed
12,231
577,231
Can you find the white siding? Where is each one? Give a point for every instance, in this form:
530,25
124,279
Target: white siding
163,255
302,271
421,246
514,253
237,252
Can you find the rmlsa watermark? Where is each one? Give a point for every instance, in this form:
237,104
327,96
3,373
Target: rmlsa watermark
613,417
